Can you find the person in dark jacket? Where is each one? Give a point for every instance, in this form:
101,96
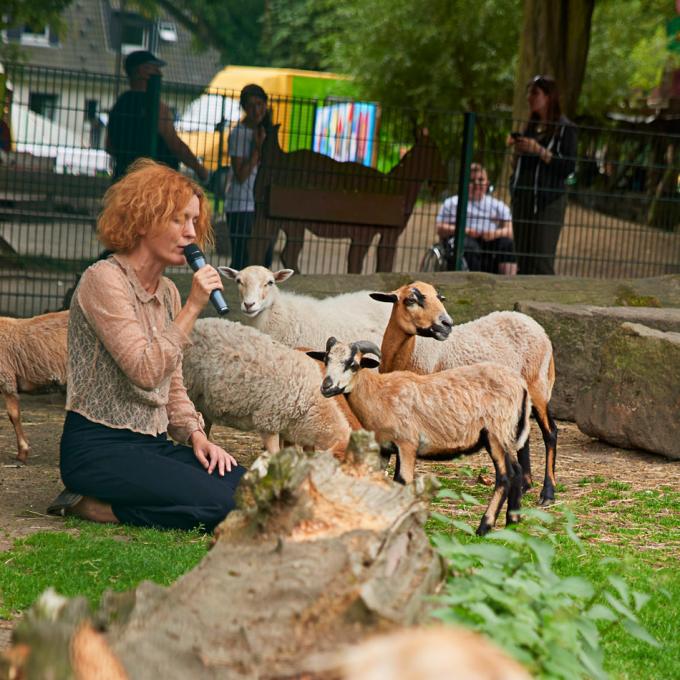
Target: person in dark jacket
544,157
128,130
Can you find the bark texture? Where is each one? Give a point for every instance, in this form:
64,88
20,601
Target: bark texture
554,41
318,554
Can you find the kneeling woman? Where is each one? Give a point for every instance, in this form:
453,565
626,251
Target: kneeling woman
127,331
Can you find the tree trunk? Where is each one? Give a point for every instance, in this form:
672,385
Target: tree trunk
554,41
318,554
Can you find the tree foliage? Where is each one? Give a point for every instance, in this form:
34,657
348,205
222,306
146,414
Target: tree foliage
37,13
554,41
33,13
430,54
233,27
300,33
627,53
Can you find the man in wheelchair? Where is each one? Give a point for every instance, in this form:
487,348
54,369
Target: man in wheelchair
488,232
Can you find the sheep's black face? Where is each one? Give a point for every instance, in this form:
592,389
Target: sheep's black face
328,389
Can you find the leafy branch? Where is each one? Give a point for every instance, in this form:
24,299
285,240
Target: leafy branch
505,586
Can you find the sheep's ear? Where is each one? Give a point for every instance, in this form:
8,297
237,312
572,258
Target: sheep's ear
385,297
369,362
315,354
228,272
283,275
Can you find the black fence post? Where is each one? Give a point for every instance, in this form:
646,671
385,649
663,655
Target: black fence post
153,101
463,179
219,170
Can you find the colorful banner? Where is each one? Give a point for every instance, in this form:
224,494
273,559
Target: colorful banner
346,132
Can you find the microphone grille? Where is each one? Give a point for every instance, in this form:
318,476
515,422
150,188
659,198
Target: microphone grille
192,251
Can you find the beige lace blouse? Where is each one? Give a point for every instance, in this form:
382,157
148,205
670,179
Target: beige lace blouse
125,354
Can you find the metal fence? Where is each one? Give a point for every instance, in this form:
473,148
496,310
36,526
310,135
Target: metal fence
317,214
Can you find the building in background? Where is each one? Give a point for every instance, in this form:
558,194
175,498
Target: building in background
65,85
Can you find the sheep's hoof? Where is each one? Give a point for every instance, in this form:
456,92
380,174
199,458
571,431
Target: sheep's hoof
484,527
527,484
485,480
512,518
546,499
22,456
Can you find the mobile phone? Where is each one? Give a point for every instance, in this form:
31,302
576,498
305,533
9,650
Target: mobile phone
515,135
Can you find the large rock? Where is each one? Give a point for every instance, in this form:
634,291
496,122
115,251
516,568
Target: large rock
470,295
577,333
634,401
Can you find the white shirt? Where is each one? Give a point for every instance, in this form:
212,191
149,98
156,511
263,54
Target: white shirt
239,196
484,215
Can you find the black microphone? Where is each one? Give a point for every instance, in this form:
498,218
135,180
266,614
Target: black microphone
196,260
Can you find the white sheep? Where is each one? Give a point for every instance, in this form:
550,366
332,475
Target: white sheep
444,414
301,320
32,355
509,338
239,377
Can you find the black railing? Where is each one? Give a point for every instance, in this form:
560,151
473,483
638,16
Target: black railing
622,201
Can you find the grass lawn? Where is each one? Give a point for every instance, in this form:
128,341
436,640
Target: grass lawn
627,533
89,558
630,534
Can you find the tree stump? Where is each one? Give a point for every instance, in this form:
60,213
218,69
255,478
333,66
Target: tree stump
318,554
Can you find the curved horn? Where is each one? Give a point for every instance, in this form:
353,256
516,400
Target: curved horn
329,343
366,347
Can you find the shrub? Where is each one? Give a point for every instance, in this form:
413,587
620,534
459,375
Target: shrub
504,586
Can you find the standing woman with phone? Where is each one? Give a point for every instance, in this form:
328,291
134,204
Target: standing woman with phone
245,153
544,157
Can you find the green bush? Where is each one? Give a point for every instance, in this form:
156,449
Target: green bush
505,587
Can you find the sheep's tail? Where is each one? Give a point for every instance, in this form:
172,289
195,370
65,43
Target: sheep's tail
523,425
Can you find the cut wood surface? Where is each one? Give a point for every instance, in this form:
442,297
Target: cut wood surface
319,554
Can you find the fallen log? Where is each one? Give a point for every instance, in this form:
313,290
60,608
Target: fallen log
318,554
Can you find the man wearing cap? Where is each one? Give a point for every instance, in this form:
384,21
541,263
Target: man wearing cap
128,130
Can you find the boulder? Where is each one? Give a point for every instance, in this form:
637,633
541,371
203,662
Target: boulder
470,295
634,400
577,333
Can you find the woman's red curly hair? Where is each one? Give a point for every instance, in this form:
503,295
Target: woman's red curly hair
147,198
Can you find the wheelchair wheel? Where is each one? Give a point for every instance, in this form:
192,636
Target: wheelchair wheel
433,260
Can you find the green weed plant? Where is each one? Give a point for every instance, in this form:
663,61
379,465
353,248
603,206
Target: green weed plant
506,587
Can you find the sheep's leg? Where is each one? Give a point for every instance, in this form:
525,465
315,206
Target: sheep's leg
501,490
525,461
14,413
405,467
515,495
386,451
271,443
549,431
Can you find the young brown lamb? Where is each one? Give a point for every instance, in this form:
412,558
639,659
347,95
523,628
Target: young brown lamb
32,355
441,415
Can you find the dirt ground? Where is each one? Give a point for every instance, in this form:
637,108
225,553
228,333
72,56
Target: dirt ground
591,244
25,491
